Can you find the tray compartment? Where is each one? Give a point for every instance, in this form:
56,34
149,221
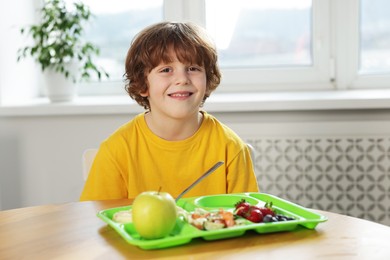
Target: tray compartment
222,201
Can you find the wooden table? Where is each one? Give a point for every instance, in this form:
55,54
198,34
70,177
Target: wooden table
72,231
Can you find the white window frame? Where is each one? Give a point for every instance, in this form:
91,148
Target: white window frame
335,49
345,28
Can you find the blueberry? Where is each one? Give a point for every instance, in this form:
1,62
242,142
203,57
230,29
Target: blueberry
267,218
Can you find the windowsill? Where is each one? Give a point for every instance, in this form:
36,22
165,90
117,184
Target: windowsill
218,102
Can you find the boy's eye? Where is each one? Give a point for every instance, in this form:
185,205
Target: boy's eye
165,70
194,68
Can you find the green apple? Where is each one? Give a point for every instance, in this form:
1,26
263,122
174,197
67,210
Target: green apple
154,214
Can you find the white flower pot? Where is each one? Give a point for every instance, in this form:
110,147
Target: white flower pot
58,88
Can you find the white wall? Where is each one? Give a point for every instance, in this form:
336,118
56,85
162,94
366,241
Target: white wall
43,156
18,81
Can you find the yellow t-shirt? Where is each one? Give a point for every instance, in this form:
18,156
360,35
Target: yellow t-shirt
133,159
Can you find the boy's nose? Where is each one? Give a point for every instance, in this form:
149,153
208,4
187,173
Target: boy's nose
182,78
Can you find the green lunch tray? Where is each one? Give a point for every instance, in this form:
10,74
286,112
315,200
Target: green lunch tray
184,232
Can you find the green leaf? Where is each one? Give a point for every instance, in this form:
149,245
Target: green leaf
59,38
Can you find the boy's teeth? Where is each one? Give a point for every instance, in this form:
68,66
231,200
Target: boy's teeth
180,95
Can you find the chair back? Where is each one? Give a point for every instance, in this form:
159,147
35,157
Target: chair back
253,153
87,160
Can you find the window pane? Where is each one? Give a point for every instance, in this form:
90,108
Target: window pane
115,24
374,36
261,33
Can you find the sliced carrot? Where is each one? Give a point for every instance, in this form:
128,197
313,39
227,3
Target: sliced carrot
227,217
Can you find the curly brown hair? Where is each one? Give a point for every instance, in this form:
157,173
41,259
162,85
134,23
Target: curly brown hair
151,47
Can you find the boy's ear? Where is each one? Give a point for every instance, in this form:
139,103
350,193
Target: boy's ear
208,91
144,93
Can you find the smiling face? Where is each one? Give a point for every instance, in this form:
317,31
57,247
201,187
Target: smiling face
175,89
165,43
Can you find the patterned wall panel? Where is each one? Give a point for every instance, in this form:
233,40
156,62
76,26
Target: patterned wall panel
347,175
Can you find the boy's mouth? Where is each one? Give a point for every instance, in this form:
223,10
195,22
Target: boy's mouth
180,94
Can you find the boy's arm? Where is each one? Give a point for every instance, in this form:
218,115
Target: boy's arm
241,175
105,179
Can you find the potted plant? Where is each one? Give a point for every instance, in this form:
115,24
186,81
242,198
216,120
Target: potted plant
58,46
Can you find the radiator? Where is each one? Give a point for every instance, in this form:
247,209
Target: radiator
347,175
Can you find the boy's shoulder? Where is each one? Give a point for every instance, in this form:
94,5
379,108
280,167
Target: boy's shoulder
127,128
212,122
222,133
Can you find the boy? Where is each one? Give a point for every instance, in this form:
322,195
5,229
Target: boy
171,69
